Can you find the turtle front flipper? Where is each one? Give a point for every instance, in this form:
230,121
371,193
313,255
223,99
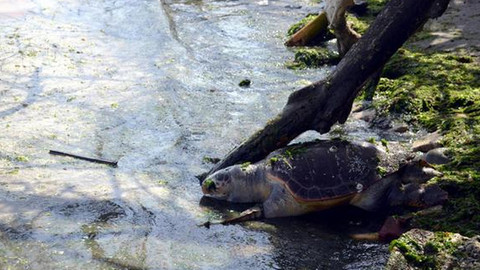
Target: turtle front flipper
253,213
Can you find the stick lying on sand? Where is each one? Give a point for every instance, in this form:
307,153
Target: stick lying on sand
58,153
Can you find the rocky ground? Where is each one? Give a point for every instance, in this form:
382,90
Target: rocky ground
455,34
420,249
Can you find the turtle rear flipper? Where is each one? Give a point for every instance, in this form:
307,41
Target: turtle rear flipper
416,195
424,196
418,171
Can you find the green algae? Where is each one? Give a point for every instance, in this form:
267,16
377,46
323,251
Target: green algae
375,6
288,154
359,24
382,171
313,58
426,256
21,159
437,91
384,142
245,165
441,91
273,160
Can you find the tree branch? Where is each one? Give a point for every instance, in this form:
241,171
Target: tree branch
322,104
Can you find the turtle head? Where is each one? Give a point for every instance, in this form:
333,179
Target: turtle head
239,183
220,185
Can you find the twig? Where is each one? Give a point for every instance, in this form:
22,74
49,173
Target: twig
110,163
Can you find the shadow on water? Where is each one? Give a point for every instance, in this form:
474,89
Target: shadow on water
317,240
35,90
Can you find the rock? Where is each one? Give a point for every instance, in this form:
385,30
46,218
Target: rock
357,107
421,249
360,106
428,142
399,128
293,6
360,8
436,156
365,115
245,83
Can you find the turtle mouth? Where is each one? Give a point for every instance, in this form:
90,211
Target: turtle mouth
209,186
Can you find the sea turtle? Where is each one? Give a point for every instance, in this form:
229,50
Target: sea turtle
304,178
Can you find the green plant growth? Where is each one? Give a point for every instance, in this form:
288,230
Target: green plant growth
425,257
313,58
441,91
245,165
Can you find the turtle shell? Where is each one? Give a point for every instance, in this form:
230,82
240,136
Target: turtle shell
324,170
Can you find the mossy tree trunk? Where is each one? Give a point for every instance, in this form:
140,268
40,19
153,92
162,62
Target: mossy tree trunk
324,103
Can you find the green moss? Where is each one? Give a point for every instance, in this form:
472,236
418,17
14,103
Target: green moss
273,160
21,159
361,23
358,24
384,142
295,150
313,57
381,171
14,171
162,182
371,140
212,160
441,91
289,154
424,257
245,165
375,6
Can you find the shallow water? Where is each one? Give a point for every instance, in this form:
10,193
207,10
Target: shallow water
154,85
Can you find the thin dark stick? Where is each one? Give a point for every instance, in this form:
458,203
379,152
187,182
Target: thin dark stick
111,163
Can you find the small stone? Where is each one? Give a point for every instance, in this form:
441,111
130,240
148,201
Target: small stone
245,83
366,115
293,6
399,128
357,107
436,156
428,142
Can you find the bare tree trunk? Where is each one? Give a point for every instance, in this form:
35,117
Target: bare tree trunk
345,35
322,104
